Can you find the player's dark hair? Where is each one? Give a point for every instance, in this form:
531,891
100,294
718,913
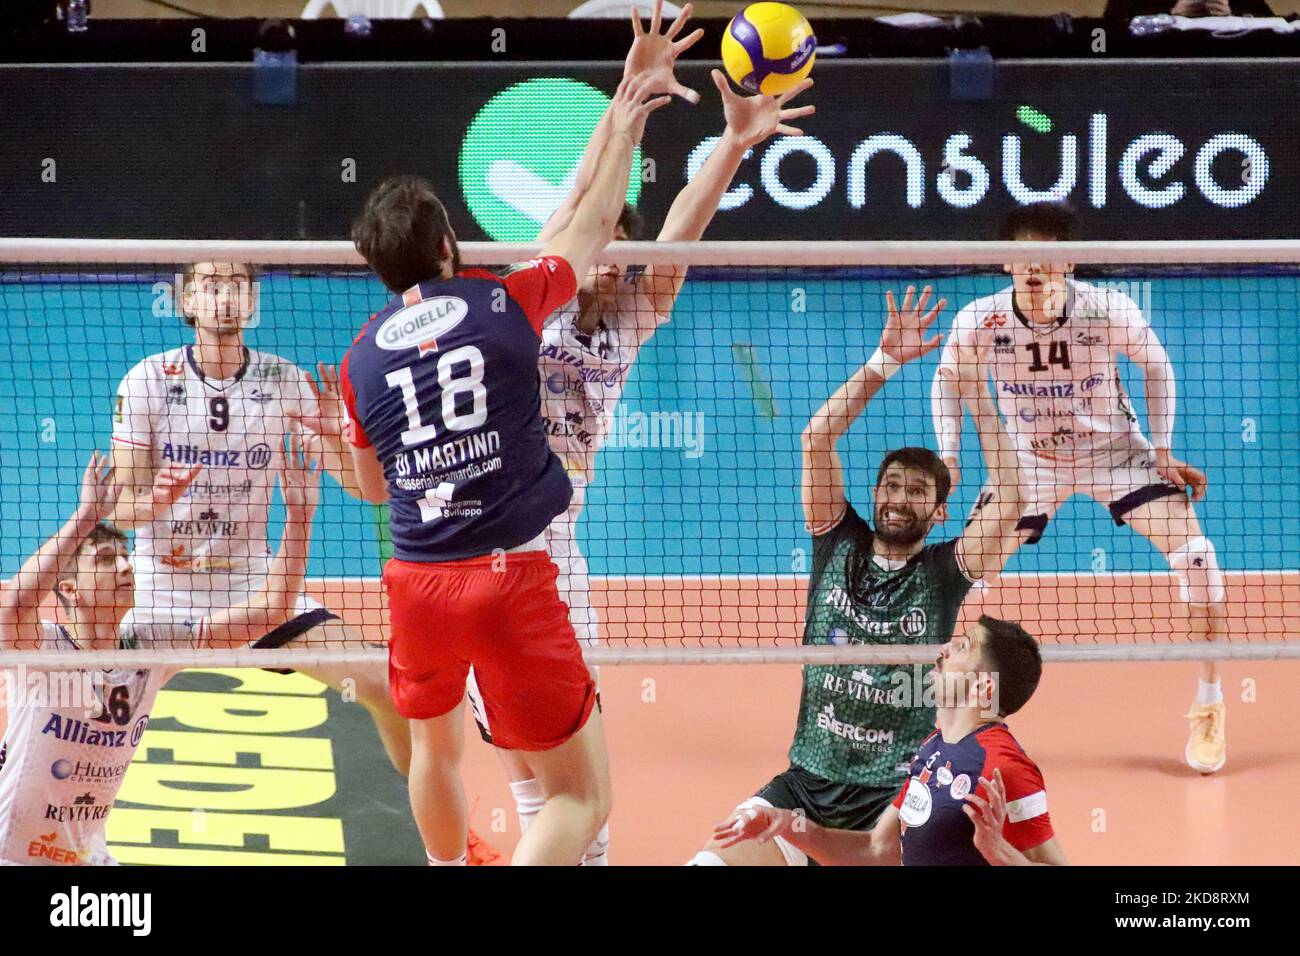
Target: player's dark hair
1012,654
103,531
400,232
188,275
923,459
1047,220
632,221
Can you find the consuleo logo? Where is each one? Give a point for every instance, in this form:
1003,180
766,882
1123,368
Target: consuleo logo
521,154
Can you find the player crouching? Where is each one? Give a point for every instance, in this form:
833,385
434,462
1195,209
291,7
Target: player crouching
54,794
940,817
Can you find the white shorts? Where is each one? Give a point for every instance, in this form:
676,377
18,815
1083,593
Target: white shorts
160,626
1122,476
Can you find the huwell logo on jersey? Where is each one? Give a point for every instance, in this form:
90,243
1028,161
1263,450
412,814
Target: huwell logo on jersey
419,325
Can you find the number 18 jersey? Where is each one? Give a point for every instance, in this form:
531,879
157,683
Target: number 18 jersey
443,384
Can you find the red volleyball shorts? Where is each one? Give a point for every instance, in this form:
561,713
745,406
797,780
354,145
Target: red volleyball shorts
502,614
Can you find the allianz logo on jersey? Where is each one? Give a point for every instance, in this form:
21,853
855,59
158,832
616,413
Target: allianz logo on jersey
74,731
421,323
254,459
863,735
1056,390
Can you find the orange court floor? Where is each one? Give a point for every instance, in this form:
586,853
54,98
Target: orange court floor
688,742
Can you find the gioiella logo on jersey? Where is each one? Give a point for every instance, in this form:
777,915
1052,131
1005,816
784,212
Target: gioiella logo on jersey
521,154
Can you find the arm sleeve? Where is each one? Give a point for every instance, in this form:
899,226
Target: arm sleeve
541,286
1133,336
354,434
132,411
1028,822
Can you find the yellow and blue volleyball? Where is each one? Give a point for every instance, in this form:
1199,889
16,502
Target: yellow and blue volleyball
768,48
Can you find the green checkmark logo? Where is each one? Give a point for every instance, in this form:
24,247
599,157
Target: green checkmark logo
521,154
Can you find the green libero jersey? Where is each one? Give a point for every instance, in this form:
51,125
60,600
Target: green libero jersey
862,724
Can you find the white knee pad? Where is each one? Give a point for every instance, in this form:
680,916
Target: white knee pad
705,858
793,855
1197,568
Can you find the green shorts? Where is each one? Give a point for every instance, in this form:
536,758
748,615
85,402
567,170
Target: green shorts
838,806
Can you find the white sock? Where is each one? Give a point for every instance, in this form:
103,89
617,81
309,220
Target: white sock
528,802
598,853
1207,694
462,860
705,858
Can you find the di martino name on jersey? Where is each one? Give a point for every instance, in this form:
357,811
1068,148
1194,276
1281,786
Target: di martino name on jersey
74,731
255,458
422,323
437,459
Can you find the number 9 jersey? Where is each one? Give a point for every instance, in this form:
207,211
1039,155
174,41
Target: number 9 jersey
443,384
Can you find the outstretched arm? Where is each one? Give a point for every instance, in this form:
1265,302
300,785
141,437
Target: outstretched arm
327,420
902,340
959,374
653,55
274,604
594,220
992,538
21,600
879,846
750,121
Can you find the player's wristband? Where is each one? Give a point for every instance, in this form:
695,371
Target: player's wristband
883,364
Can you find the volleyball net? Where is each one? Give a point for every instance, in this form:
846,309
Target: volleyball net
692,526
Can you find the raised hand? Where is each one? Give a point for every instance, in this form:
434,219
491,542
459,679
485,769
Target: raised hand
99,490
331,415
752,119
989,814
300,474
904,335
1181,474
653,55
629,109
169,484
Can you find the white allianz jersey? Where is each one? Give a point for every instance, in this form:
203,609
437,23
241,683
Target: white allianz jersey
582,379
1057,385
211,546
66,750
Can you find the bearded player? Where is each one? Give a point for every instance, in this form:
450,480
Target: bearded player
193,433
590,345
973,797
1050,344
875,583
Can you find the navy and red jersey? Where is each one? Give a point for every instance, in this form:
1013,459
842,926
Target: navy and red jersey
935,829
443,384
